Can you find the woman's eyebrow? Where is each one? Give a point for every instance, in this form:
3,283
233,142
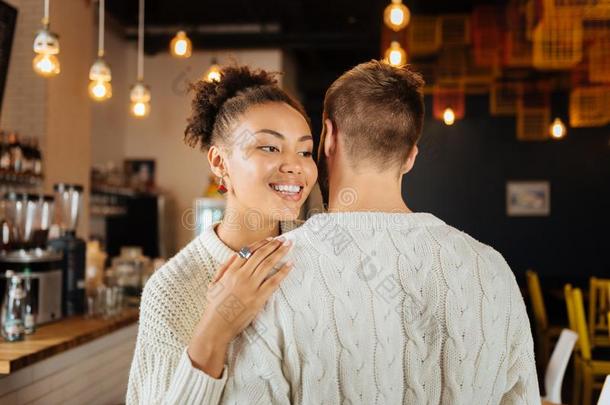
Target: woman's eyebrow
280,136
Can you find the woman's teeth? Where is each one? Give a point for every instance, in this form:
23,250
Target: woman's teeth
286,188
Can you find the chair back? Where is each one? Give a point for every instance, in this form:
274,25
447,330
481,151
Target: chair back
533,286
567,292
556,368
598,304
581,324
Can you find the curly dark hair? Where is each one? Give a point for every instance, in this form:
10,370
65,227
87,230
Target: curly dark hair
218,104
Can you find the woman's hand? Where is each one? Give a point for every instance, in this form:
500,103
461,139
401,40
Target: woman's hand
237,293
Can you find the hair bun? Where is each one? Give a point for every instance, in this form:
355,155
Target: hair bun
210,97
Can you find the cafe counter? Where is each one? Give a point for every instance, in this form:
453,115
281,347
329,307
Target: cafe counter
74,360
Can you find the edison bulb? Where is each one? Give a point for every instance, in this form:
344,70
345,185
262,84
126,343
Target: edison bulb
46,65
213,74
180,46
395,54
100,90
448,116
396,15
140,109
557,129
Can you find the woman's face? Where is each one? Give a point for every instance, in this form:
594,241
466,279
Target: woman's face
270,168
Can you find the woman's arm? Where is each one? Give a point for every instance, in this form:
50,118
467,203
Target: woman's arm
237,294
163,371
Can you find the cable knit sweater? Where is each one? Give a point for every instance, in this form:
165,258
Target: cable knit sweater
380,309
172,304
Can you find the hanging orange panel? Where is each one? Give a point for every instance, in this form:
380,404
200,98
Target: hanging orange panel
533,112
558,42
455,29
517,46
487,27
452,64
448,96
423,35
599,56
475,74
503,98
588,106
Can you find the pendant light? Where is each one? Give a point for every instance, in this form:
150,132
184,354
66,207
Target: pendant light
46,47
449,116
557,130
396,15
180,46
140,93
395,55
100,88
213,73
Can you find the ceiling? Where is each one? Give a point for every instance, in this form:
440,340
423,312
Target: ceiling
325,37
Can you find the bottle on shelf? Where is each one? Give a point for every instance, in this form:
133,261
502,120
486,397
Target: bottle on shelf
16,153
36,158
12,308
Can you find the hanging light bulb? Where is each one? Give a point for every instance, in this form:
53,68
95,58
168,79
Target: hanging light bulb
100,75
139,94
396,15
46,47
181,46
213,73
557,129
140,100
395,55
448,116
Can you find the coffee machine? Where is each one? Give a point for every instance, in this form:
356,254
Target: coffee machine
73,249
24,226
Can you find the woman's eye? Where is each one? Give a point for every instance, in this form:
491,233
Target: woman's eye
306,154
269,148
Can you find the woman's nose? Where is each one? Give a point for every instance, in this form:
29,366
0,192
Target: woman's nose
291,164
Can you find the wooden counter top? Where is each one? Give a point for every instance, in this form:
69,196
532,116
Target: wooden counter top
57,337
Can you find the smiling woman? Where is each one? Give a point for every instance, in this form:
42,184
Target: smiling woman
259,143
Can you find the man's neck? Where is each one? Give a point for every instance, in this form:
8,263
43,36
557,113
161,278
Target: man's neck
366,192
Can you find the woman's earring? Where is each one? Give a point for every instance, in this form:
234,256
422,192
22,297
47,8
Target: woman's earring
222,189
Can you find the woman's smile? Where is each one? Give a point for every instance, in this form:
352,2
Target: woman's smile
287,191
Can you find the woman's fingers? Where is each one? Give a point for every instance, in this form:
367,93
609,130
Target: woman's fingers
268,264
254,247
273,282
223,269
261,254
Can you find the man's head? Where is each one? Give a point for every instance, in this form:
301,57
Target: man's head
375,112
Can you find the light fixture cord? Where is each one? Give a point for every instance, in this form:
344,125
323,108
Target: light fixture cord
141,42
100,33
45,18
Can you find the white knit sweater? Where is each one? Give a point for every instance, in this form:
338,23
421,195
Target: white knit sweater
379,309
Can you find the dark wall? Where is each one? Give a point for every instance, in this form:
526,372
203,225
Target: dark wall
461,172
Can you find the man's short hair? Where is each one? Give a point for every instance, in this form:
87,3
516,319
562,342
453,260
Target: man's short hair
379,109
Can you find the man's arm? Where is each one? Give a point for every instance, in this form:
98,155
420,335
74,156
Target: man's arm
521,379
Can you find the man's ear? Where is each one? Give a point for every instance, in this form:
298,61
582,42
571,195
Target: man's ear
216,161
410,159
330,138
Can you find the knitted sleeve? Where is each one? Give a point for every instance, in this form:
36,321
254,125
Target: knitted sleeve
521,379
161,371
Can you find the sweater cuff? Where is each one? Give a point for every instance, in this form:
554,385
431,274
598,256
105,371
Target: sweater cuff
191,385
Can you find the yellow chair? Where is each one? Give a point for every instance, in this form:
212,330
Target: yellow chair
576,381
545,334
589,368
599,302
